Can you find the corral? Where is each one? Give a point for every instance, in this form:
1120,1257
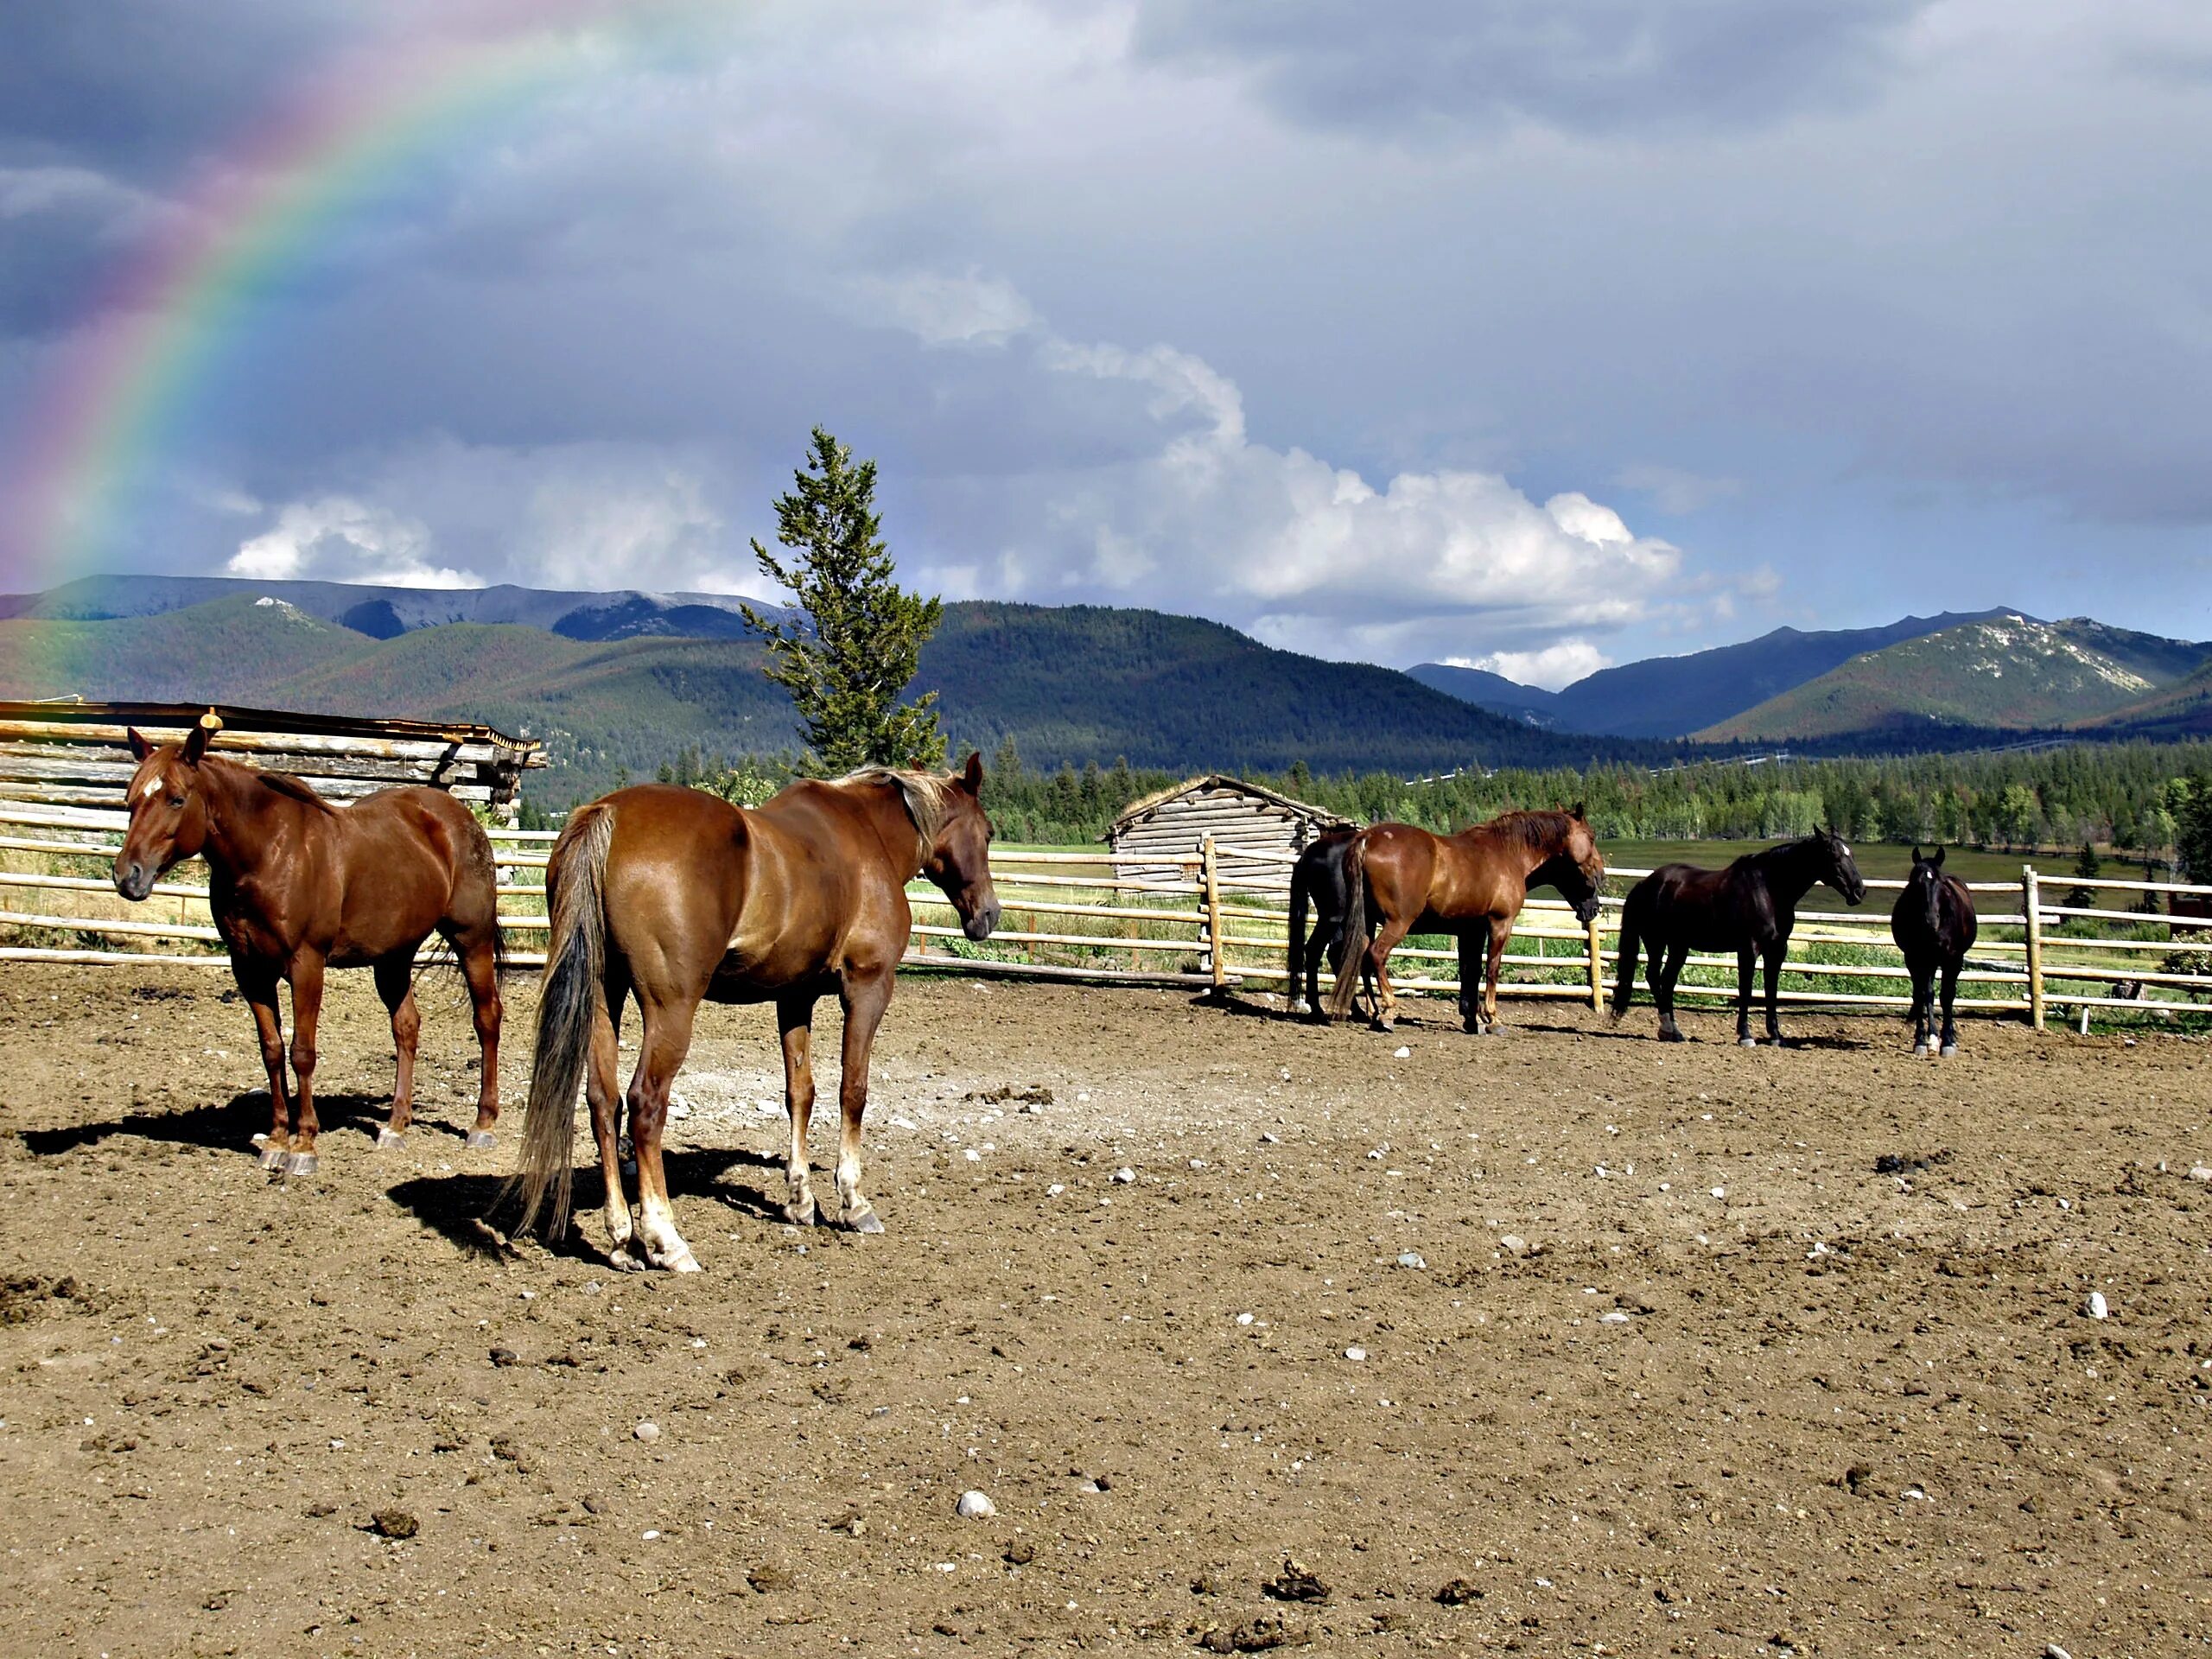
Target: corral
1706,1351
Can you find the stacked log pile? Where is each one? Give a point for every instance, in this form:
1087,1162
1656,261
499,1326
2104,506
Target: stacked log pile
77,754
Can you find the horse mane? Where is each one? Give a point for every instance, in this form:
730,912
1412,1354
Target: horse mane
928,794
284,784
1538,830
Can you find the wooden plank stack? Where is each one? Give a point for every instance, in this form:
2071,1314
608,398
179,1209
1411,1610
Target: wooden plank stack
77,754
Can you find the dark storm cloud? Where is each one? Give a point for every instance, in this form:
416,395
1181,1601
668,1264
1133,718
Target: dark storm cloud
1594,65
132,87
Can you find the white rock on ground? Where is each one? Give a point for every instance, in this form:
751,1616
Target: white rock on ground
1412,1259
647,1431
975,1506
2098,1308
1124,1175
1512,1242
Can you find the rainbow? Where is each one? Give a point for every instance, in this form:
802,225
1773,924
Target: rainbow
162,322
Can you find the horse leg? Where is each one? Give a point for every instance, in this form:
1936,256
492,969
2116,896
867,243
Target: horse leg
661,1049
480,965
1663,975
307,1013
864,1002
1950,1043
795,1021
1924,987
396,987
1774,954
1378,961
1499,933
603,1090
259,985
1745,959
1471,985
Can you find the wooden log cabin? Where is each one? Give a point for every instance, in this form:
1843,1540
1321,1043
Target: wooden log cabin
69,753
1174,821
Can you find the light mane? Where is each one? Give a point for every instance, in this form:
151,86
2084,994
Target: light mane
929,795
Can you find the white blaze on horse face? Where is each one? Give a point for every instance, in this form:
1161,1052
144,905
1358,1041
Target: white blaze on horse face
153,788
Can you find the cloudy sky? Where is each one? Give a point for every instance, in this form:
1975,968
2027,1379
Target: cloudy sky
1536,333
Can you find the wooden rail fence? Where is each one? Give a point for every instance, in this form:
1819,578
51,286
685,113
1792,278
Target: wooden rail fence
1220,924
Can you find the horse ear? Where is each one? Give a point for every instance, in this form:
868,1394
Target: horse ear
1580,812
195,745
1936,858
1916,852
971,776
140,748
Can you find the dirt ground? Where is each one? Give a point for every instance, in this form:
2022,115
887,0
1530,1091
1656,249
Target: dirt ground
1557,1342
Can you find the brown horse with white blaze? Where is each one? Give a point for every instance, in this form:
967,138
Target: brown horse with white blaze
1403,880
678,896
298,886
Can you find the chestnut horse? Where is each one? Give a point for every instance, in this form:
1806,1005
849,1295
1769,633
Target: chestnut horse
297,886
1933,923
1403,879
678,896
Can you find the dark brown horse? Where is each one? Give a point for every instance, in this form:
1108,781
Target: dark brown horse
1401,879
1933,923
1751,908
678,897
297,886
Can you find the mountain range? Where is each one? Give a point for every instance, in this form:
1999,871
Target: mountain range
618,683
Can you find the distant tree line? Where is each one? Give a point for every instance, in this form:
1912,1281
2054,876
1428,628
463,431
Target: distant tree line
2153,801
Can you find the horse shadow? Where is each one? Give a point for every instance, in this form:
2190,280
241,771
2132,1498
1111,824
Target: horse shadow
220,1126
470,1210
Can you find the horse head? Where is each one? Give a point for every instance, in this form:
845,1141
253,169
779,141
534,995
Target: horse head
1575,868
169,809
958,857
1925,884
1842,871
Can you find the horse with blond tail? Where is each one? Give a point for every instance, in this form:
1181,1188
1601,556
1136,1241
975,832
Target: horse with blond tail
676,897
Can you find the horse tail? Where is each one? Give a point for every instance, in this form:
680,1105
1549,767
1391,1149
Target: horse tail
1299,900
1631,939
576,965
1355,929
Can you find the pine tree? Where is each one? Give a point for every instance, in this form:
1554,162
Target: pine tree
2086,866
846,665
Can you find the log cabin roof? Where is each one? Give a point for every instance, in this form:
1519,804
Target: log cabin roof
1137,811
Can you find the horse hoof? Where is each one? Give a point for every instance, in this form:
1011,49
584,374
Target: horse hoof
1920,1051
479,1139
796,1216
299,1163
387,1139
866,1222
623,1258
1672,1037
686,1262
1950,1051
1747,1042
272,1157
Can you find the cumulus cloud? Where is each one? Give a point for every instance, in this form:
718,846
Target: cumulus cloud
942,310
1552,667
336,538
1309,554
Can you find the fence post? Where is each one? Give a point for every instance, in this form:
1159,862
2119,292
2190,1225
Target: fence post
1597,962
1217,959
2031,908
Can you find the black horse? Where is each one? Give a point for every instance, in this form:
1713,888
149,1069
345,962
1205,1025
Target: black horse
1320,880
1934,924
1748,908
